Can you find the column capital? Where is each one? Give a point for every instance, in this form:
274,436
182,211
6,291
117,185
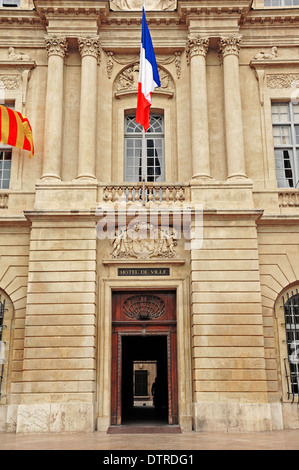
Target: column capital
89,46
56,45
197,45
230,45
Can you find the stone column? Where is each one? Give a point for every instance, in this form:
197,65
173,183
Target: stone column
229,47
56,47
197,49
89,49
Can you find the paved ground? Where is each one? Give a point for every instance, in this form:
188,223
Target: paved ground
277,440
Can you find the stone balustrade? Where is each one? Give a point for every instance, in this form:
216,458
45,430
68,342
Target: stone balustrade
4,201
148,194
289,198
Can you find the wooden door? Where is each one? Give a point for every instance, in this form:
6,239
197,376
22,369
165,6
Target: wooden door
148,315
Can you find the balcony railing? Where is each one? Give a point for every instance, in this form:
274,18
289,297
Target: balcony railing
4,200
289,198
145,193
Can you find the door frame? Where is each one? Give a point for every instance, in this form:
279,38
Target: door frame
172,382
184,363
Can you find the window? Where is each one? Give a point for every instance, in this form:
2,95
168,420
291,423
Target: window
285,118
141,383
150,163
291,312
5,166
10,3
281,3
2,344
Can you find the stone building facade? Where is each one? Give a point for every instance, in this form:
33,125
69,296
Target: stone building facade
185,254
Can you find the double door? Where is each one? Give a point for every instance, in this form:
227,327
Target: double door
144,357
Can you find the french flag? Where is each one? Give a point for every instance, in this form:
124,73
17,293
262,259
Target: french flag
148,76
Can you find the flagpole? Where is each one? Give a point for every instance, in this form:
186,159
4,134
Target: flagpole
143,150
143,165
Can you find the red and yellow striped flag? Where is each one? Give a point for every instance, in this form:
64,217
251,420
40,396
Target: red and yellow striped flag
15,130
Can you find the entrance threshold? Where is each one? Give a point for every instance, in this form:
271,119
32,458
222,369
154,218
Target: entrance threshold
145,429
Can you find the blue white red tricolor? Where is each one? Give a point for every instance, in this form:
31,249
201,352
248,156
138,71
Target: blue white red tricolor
148,76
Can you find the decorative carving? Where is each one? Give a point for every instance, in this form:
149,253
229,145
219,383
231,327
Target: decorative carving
89,46
128,79
283,80
137,5
109,64
196,46
144,241
144,307
177,60
163,60
267,55
56,45
230,45
13,55
9,82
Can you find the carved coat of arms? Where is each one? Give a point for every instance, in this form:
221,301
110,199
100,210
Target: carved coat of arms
144,241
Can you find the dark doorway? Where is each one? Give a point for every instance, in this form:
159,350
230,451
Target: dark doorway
144,346
145,351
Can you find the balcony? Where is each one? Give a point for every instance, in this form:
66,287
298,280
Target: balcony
289,199
146,194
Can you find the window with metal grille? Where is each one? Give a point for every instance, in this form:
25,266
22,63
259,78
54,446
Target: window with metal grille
285,118
141,383
281,3
144,152
2,344
291,312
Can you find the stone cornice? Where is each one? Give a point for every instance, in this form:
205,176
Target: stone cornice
17,64
278,17
274,63
60,9
189,8
20,17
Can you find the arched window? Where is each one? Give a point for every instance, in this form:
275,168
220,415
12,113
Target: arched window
6,329
144,152
291,313
2,343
